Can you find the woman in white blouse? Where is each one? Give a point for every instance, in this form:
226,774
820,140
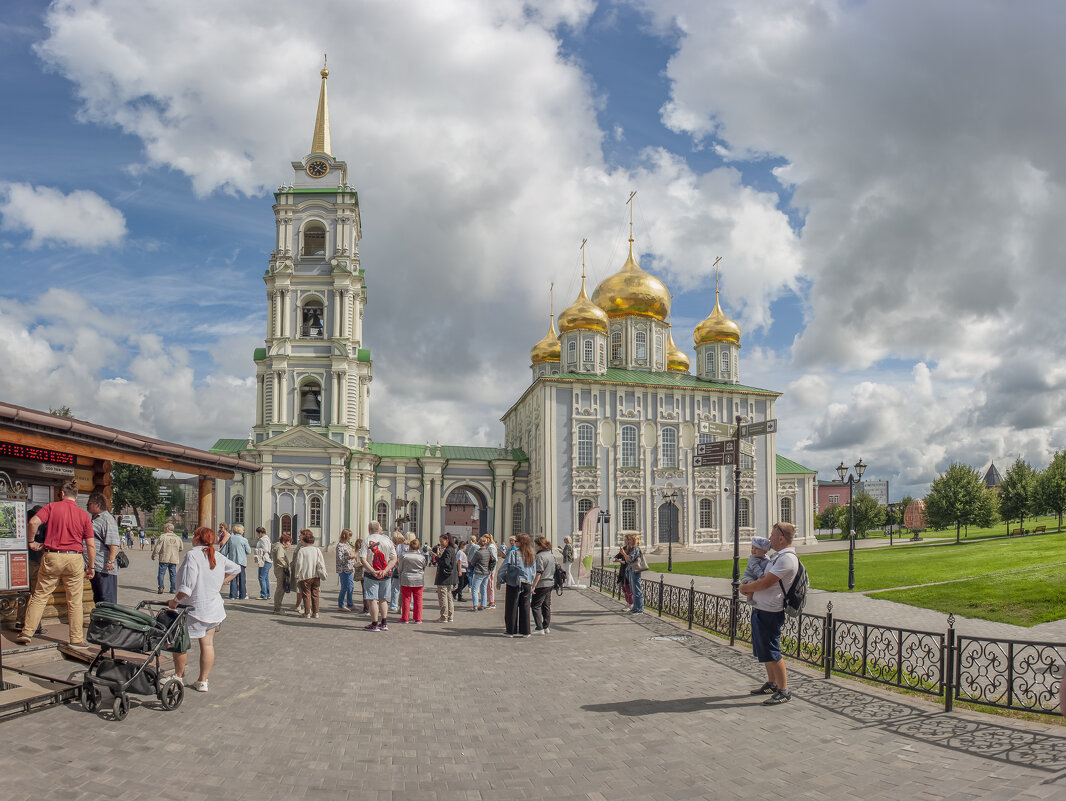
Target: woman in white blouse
200,578
309,570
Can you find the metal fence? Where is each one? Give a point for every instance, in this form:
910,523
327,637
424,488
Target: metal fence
1010,674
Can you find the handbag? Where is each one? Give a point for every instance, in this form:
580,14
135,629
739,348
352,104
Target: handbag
640,565
121,559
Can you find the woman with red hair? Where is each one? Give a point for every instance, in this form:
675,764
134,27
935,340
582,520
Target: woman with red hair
200,579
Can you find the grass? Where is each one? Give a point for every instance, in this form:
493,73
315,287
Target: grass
1023,599
1050,522
886,568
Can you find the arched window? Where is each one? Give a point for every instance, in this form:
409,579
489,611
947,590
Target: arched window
668,452
629,514
588,351
641,342
314,516
238,510
629,446
311,404
786,510
583,507
571,353
286,524
710,361
745,513
706,439
706,513
517,519
314,240
603,356
616,346
412,512
658,348
725,363
383,515
312,319
585,452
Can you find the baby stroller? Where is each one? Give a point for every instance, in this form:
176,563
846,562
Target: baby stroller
112,626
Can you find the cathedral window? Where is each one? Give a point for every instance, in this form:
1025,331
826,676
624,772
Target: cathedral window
668,448
658,349
629,514
616,346
412,512
786,510
744,519
571,353
585,452
311,404
517,519
286,524
313,319
587,351
710,361
641,342
238,510
603,356
706,513
382,515
725,366
583,508
746,462
314,515
706,439
314,240
629,446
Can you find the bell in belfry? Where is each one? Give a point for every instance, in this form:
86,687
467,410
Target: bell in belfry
310,405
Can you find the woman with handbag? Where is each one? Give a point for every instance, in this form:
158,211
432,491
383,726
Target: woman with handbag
346,571
637,564
309,570
518,571
446,579
281,555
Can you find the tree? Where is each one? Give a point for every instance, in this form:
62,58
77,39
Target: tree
956,498
1017,493
133,486
176,503
904,502
1051,486
830,518
159,518
61,411
869,514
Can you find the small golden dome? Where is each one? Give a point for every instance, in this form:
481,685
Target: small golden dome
583,314
675,358
548,349
717,328
633,291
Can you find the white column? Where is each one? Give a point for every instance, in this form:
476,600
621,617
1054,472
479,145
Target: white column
285,302
497,516
283,399
437,530
260,398
342,379
508,515
335,303
345,318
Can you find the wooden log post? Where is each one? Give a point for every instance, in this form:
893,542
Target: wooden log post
206,514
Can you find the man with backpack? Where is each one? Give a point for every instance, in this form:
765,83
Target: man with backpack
768,594
378,556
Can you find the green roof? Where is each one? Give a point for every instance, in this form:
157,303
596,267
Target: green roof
617,375
399,451
362,355
788,466
229,446
259,354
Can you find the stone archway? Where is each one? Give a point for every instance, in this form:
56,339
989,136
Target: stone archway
466,512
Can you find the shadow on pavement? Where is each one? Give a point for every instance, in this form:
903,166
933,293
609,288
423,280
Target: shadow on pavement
645,706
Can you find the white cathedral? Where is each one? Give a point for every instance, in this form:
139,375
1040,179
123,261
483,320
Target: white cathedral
610,420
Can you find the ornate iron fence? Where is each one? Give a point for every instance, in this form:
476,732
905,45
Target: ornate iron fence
1010,674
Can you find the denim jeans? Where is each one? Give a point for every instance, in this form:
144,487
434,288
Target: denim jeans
164,569
478,584
394,595
264,581
346,597
237,587
638,592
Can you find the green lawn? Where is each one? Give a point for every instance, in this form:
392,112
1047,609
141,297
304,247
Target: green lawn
1050,522
882,568
1024,599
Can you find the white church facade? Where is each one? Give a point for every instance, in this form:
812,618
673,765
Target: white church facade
610,420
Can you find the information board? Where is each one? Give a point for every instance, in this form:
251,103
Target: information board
12,525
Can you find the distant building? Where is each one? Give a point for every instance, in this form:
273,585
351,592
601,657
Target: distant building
832,493
878,490
992,477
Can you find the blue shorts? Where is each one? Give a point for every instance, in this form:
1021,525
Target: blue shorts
378,589
766,634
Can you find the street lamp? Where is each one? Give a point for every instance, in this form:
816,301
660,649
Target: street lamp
842,471
670,497
603,519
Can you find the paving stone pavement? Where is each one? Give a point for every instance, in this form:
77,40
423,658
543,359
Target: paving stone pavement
600,710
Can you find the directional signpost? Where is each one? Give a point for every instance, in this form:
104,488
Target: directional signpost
726,452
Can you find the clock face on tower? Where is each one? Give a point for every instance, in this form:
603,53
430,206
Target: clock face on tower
317,168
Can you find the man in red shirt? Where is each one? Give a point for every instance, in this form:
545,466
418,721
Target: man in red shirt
70,532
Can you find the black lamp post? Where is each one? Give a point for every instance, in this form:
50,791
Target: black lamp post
604,519
670,497
842,471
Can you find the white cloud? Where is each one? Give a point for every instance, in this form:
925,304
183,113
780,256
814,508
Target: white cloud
80,219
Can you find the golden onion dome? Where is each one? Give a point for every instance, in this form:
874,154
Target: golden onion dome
548,349
675,358
717,327
633,291
583,315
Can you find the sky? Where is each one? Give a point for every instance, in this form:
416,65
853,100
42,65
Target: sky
883,181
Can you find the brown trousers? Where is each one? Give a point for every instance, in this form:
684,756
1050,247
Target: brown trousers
309,594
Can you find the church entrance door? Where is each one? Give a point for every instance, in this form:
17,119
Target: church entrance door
668,531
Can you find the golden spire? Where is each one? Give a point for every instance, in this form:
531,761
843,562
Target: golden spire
320,143
583,313
717,327
676,359
631,290
548,349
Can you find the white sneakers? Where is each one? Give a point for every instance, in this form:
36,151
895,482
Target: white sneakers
200,686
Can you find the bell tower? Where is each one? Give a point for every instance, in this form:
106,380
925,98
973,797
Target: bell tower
314,370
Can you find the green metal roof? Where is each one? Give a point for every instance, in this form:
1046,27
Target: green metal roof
616,375
229,446
259,354
400,451
788,466
362,355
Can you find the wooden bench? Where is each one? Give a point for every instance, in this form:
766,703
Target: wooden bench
1017,532
1039,529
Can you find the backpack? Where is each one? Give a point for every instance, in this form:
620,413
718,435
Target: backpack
796,595
559,579
378,560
